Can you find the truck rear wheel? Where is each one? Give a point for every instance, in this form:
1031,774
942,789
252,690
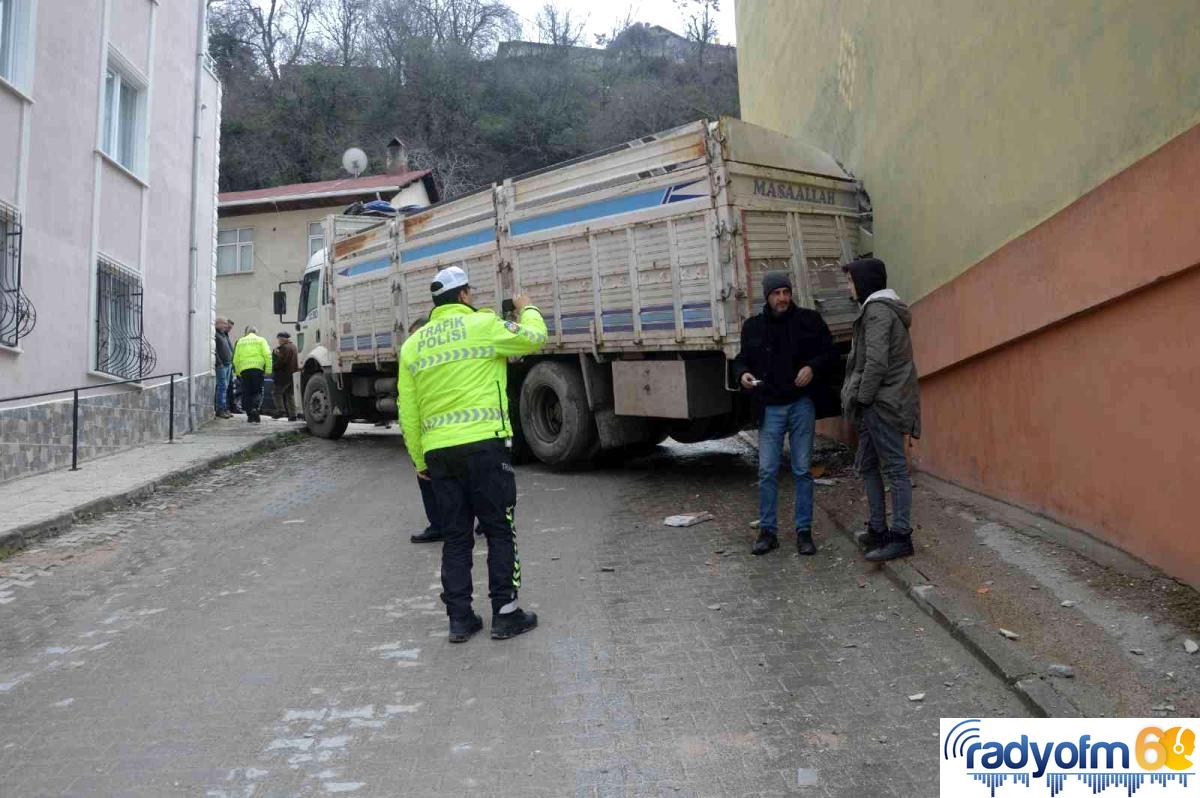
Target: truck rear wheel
318,409
556,421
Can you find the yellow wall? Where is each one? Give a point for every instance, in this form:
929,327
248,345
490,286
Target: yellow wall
970,121
280,254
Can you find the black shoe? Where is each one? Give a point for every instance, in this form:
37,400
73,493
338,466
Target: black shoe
766,542
462,629
897,546
511,624
804,543
871,539
430,535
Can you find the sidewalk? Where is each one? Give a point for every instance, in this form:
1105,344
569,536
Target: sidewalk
44,504
1087,629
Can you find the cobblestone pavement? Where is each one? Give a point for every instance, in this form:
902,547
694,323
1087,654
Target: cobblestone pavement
40,498
268,630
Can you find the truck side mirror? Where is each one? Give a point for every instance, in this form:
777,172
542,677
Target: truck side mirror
280,300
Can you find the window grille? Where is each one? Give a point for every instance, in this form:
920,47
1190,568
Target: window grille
18,316
121,346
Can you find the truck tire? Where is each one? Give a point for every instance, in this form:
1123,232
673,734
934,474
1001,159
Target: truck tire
556,421
318,409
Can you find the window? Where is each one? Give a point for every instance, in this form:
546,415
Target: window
17,314
124,112
316,238
13,40
121,346
235,250
308,296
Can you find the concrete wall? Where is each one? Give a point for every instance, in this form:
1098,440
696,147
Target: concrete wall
76,204
1033,170
280,255
970,122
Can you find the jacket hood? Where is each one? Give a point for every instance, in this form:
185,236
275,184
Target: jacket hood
869,275
890,298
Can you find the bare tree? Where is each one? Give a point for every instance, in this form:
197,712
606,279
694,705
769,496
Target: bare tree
619,26
699,23
277,29
475,25
454,173
556,26
343,24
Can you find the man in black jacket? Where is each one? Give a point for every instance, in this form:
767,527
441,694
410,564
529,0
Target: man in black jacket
787,360
223,360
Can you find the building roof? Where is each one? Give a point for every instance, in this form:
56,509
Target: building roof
323,193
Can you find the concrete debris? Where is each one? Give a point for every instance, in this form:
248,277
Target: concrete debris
826,482
1062,671
1163,708
917,697
1010,635
1137,651
1191,646
690,519
1068,604
806,777
715,607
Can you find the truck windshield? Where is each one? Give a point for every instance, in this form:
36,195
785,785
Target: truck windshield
308,296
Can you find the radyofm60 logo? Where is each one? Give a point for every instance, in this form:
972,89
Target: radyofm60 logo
1068,756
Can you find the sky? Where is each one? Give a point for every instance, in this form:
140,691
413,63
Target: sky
602,15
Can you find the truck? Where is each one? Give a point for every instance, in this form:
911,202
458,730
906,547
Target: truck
644,259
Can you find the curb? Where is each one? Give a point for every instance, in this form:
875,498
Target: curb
20,537
1020,671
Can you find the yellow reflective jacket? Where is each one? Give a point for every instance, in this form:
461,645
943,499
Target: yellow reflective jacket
251,352
452,386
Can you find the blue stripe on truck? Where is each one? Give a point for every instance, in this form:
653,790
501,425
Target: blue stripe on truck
449,245
608,207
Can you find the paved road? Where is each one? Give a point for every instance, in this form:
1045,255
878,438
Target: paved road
269,631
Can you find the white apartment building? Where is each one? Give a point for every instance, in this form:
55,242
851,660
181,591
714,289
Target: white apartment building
111,116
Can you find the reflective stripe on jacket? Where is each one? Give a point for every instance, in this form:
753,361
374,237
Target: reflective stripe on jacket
452,386
251,352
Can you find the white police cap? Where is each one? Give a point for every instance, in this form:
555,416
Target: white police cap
448,279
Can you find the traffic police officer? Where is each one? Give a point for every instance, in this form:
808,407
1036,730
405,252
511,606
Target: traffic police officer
453,396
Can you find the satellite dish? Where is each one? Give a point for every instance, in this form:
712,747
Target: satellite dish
354,161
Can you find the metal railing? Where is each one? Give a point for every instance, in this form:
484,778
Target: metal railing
121,345
18,316
75,406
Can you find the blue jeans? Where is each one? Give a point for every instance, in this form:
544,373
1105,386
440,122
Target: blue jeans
796,420
224,375
881,454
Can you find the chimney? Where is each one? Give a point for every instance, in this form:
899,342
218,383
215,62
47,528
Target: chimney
397,157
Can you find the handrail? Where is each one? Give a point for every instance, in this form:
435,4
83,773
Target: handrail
75,407
87,387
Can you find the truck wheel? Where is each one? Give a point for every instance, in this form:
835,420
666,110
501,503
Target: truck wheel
318,409
521,454
555,418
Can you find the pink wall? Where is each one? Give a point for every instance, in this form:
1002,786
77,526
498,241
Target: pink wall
62,185
1062,373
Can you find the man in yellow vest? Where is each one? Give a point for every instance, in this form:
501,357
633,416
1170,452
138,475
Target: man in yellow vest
453,396
251,360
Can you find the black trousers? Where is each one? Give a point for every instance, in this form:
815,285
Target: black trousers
476,479
252,386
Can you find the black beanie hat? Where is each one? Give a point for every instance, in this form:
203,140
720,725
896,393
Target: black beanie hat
869,275
775,280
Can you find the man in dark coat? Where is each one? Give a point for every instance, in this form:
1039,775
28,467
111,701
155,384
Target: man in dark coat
786,362
285,360
881,396
223,361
